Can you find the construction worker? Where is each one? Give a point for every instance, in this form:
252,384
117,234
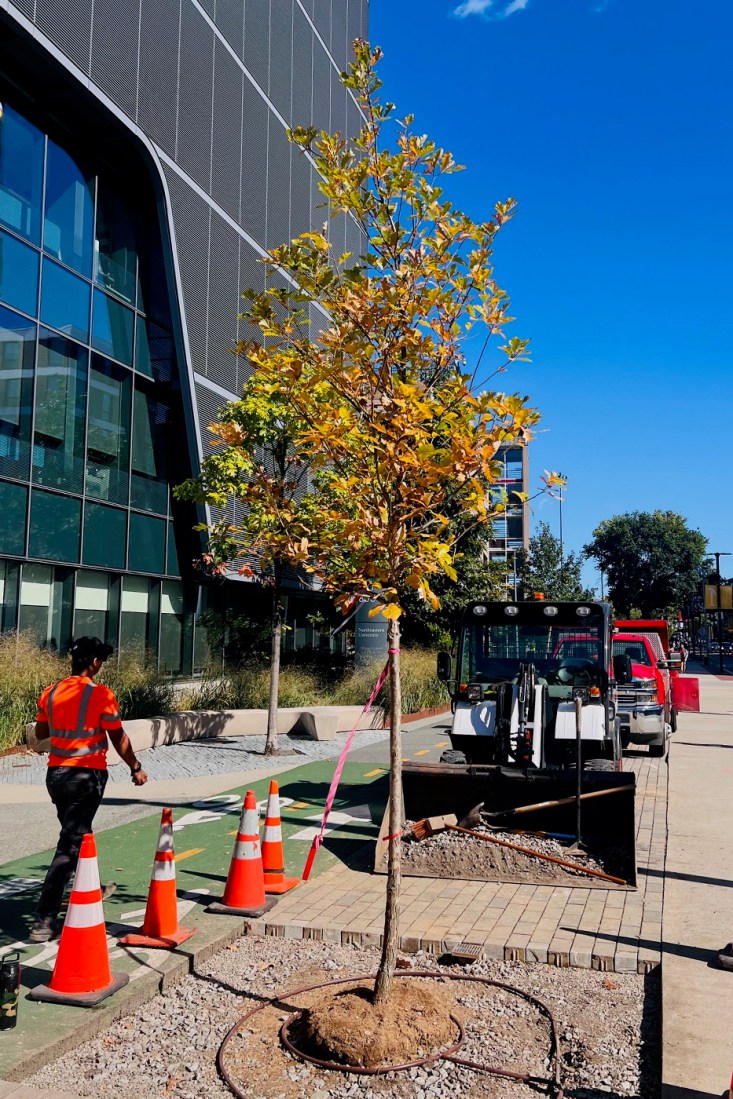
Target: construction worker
78,715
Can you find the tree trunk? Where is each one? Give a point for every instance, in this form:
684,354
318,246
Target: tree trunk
388,962
276,629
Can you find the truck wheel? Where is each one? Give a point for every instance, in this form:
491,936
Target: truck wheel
600,765
657,749
453,756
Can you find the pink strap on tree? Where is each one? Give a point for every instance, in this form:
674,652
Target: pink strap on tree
318,840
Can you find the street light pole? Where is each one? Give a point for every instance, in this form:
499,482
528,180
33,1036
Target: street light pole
717,557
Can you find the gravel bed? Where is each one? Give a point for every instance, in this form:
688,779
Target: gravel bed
457,855
200,757
608,1026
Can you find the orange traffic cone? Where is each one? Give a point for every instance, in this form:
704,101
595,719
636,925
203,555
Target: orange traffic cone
244,893
273,860
160,926
81,974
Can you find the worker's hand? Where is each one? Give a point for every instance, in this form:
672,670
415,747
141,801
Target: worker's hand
139,778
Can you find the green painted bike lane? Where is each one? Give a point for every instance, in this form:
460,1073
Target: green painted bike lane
204,834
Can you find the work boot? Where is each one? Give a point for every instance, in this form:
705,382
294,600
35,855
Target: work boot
44,929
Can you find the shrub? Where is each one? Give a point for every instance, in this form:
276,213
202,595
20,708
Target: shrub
25,669
141,690
249,689
421,689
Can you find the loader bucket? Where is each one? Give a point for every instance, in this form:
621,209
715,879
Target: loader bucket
608,824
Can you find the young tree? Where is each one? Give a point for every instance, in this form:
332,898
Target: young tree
385,415
653,561
545,568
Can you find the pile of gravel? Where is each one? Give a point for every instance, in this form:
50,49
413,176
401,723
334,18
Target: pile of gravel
608,1027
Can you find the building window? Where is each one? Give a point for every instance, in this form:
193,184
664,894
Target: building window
149,487
135,607
172,623
18,275
55,527
67,225
65,302
104,536
60,402
17,351
21,175
36,601
112,328
13,503
108,431
91,612
147,544
115,258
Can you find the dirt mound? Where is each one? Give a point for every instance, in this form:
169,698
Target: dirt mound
347,1027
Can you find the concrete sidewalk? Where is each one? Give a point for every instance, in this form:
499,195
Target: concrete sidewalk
697,1000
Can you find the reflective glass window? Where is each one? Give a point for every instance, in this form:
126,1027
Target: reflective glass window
108,431
147,544
112,328
104,536
91,608
18,274
171,566
21,174
17,354
134,615
67,224
55,526
154,351
142,349
36,601
115,258
13,500
172,622
65,301
61,392
150,423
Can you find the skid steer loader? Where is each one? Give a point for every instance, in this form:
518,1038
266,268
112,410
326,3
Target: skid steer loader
534,720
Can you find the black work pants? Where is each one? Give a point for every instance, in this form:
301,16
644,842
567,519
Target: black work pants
77,793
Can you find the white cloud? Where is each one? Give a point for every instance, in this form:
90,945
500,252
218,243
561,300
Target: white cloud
472,7
516,5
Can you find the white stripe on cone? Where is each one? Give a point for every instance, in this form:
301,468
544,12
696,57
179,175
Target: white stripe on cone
247,849
164,871
87,876
273,834
165,839
84,915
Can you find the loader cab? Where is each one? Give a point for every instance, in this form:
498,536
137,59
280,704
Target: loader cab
520,667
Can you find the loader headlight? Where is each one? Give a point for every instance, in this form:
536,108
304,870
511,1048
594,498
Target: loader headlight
480,609
582,611
550,611
511,611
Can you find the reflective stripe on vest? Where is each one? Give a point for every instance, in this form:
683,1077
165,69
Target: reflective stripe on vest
80,742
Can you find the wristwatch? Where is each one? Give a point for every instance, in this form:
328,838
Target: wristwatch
136,769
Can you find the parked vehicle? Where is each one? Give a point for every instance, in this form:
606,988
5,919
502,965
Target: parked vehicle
644,683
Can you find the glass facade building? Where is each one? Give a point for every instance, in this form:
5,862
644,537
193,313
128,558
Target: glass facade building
142,174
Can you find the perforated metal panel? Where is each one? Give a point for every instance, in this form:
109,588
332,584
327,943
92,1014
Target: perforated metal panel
114,51
340,48
68,24
226,166
195,96
26,6
338,104
230,21
223,305
302,81
158,81
281,50
254,163
257,39
208,405
321,87
251,276
322,19
278,185
191,222
353,26
300,191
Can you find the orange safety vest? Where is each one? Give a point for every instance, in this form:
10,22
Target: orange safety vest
79,714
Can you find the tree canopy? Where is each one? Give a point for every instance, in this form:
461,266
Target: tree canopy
652,560
545,568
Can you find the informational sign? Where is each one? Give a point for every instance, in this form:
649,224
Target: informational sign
711,597
370,635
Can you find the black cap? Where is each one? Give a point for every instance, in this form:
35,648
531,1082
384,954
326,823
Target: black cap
86,648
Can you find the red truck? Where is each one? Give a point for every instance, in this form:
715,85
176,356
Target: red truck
644,671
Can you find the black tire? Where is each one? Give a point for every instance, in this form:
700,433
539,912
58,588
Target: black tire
657,749
452,756
673,721
600,765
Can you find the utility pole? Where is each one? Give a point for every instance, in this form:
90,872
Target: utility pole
717,557
562,489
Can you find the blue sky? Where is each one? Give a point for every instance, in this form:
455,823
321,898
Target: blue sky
611,122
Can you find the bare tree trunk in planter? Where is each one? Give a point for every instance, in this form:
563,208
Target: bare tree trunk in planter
391,938
276,623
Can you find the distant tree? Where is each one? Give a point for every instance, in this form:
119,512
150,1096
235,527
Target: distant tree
653,561
545,568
